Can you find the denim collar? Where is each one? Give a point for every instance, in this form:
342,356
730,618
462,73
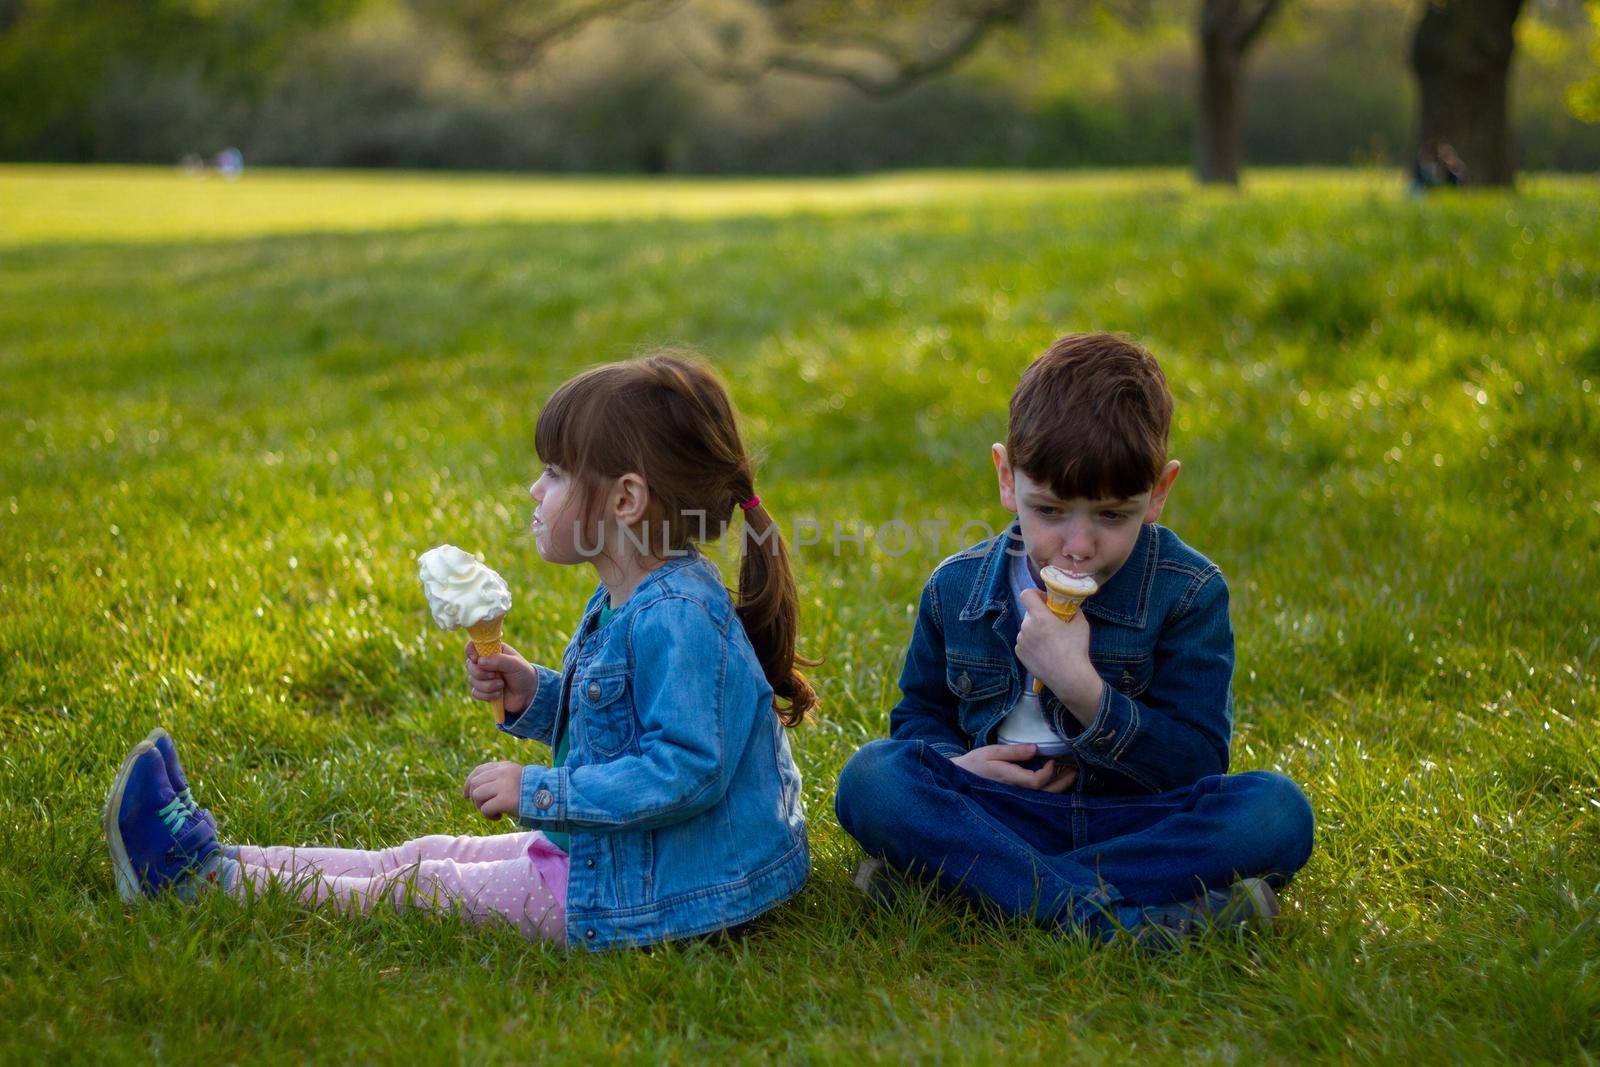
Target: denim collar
602,595
1124,599
992,591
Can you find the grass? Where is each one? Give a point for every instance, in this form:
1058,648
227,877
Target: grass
231,414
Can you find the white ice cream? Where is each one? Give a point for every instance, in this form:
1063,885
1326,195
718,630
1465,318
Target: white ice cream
1076,586
461,591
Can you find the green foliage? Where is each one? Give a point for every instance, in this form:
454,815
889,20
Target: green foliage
1584,96
380,83
66,65
233,412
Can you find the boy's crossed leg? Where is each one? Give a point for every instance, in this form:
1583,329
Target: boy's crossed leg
1069,859
1168,847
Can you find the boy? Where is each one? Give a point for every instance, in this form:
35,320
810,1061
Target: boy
1111,809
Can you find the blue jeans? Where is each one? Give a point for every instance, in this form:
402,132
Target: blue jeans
1070,858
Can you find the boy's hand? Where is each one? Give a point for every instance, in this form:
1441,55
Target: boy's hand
504,672
1057,653
998,763
495,787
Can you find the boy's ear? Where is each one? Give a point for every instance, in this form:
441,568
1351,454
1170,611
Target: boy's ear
1163,486
1008,483
630,496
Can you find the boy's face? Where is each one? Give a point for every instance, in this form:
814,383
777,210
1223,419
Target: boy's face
1084,537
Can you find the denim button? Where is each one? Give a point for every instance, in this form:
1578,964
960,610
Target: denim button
543,799
964,683
589,864
590,934
593,691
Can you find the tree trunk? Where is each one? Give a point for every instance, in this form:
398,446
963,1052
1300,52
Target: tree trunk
1217,124
1228,29
1461,56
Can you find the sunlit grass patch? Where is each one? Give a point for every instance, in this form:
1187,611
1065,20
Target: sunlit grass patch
231,415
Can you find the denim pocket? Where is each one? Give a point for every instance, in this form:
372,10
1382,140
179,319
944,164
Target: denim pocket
606,720
981,688
1127,673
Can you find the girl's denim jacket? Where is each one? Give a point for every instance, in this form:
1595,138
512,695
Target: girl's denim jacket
679,791
1159,637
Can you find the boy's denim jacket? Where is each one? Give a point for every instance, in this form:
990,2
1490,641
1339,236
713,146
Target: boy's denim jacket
679,791
1159,637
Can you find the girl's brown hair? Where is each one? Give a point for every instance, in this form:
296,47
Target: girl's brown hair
667,418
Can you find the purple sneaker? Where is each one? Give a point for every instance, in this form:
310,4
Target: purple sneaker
180,784
156,841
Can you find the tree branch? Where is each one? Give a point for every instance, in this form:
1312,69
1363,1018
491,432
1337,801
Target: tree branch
899,70
1245,36
512,45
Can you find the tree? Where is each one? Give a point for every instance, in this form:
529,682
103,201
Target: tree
1461,56
1227,31
879,46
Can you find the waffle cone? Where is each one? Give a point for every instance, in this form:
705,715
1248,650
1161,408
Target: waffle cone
1063,607
486,636
486,640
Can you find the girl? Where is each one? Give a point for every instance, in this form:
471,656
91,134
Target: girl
671,806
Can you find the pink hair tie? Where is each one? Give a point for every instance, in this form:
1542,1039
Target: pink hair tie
752,502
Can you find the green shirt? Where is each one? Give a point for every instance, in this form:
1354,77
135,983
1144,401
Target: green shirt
557,838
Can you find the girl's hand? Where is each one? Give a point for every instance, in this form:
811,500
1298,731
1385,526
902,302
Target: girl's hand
504,672
998,763
495,787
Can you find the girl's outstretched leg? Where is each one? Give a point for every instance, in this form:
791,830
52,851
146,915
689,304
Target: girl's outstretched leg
511,889
355,862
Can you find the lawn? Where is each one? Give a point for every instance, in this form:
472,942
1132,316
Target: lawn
230,415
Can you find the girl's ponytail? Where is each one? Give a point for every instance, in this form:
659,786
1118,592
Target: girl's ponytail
769,607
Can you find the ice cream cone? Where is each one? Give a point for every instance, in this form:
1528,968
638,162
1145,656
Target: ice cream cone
486,639
1066,593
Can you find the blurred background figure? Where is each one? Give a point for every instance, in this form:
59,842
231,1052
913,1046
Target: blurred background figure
229,163
1437,164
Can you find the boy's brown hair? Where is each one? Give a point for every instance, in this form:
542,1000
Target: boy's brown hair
1090,418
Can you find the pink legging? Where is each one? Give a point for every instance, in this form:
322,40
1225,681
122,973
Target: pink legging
519,877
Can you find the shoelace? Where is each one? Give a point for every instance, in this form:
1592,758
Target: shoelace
174,815
189,802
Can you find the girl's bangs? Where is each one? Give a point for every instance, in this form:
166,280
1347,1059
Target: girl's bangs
555,431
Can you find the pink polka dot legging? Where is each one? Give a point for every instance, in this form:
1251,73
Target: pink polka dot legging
519,877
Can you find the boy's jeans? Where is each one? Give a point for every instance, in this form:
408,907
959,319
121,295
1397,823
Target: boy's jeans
1069,858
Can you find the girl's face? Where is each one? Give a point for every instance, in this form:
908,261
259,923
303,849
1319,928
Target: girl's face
557,517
